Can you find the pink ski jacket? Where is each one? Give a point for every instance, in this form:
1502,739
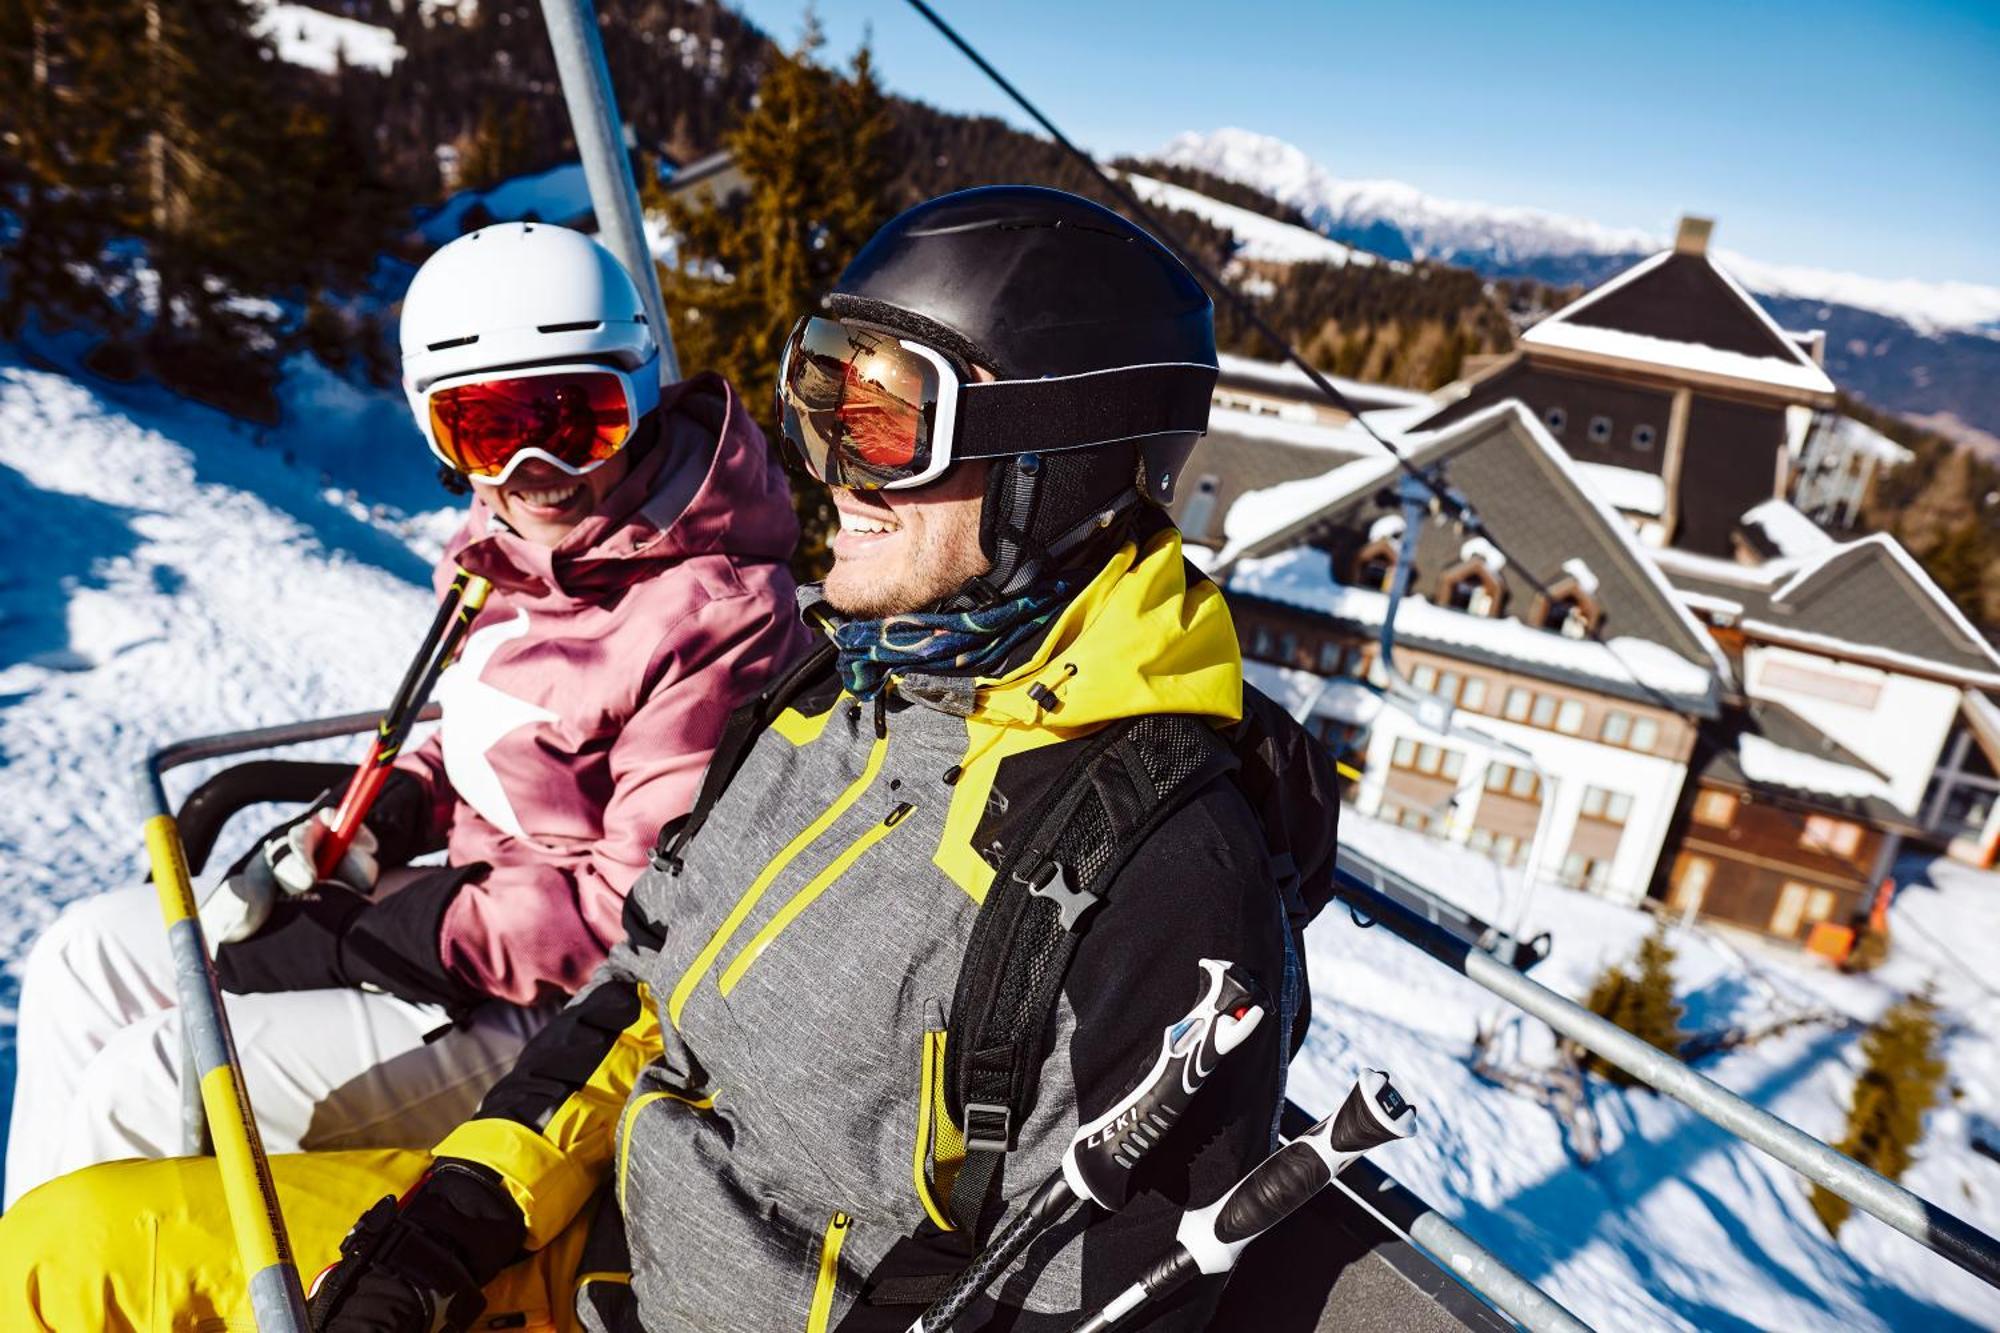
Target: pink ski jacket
582,709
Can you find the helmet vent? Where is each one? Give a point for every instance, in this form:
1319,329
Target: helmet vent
578,326
454,342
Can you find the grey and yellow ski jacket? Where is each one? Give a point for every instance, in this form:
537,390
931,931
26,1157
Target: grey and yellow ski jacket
756,1071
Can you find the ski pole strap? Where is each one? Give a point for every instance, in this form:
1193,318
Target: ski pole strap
1127,779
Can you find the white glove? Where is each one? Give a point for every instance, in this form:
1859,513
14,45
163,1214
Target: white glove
238,907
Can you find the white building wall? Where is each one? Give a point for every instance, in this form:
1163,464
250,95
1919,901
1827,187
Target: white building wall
1902,734
1569,765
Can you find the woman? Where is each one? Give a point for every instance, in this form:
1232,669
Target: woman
636,540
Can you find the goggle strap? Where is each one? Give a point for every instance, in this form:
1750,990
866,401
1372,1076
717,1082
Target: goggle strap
999,418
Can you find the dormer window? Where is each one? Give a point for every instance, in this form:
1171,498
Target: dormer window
1555,418
1472,588
1600,430
1375,565
1643,437
1568,609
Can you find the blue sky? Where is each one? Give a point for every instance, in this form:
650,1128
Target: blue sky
1849,135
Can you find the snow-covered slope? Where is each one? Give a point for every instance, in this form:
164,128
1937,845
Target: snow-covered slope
1261,237
166,571
322,41
1678,1226
1405,222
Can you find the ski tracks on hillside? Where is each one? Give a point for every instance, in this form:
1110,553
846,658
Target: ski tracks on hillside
200,603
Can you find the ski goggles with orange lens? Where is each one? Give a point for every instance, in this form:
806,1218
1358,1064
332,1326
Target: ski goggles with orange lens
575,417
870,410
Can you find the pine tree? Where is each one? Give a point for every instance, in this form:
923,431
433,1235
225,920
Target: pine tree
1900,1078
814,151
1642,1004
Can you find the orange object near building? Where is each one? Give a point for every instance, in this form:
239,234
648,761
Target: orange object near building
1831,942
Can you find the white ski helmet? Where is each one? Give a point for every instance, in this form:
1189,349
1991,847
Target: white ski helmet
521,293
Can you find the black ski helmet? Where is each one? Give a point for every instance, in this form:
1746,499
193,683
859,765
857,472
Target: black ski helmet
1028,282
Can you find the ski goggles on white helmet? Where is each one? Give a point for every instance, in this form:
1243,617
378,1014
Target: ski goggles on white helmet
575,417
869,409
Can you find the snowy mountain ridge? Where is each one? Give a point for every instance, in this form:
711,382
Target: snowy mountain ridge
1402,217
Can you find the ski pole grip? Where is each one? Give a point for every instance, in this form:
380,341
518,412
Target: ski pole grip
1099,1163
355,803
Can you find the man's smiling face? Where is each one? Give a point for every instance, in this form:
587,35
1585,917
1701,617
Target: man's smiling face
903,551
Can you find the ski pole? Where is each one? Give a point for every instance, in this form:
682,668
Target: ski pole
1209,1240
1097,1165
461,605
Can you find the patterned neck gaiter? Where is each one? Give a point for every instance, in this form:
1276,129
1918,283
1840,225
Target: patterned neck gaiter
937,642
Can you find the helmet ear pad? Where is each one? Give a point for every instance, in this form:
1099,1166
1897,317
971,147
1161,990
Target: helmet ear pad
1035,501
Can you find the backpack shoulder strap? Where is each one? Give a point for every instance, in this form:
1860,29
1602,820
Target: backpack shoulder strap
739,734
1125,780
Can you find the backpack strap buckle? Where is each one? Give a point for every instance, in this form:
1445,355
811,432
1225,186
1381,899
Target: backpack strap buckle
989,1127
1071,902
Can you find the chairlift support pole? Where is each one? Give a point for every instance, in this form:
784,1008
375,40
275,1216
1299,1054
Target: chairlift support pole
607,166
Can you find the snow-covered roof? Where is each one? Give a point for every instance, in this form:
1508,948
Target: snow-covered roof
1299,577
1626,488
1848,436
1542,512
559,195
1296,689
1287,378
319,40
1700,346
1790,533
1867,601
1765,762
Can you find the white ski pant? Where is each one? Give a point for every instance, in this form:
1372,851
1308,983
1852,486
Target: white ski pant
99,1053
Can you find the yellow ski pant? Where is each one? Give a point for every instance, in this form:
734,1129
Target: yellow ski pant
145,1246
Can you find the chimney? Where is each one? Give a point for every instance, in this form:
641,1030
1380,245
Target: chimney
1692,238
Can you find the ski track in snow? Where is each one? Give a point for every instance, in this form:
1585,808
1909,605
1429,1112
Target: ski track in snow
169,572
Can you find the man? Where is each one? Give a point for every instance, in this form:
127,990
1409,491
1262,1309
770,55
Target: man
637,547
751,1119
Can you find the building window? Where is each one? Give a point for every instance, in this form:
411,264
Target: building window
1556,419
1643,437
1645,733
1473,588
1519,702
1800,904
1717,809
1568,617
1261,642
1288,646
1600,430
1448,685
1691,879
1410,819
1569,717
1375,566
1617,728
1331,656
1507,780
1831,835
1434,761
1581,872
1473,696
1425,677
1613,807
1567,609
1543,714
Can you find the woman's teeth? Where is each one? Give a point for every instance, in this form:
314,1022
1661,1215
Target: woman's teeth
857,523
552,499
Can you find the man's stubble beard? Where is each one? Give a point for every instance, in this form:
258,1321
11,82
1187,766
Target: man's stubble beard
946,558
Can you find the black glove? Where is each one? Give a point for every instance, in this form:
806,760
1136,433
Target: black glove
400,820
331,937
418,1268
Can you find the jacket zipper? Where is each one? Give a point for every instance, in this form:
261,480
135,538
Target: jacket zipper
805,897
821,1312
